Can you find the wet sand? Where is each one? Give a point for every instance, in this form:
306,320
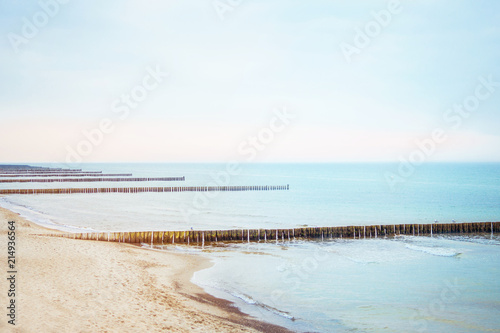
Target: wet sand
68,285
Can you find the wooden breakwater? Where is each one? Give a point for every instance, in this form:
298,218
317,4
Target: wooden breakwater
27,168
17,167
146,189
70,175
46,171
79,180
200,237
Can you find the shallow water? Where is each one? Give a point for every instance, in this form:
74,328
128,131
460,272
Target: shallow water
402,284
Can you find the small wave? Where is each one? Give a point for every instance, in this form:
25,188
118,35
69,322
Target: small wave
486,239
245,298
249,300
435,251
278,312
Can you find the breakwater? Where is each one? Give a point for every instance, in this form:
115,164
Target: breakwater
146,189
18,167
69,175
46,171
202,237
79,180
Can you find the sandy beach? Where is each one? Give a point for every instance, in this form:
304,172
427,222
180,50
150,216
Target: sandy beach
66,285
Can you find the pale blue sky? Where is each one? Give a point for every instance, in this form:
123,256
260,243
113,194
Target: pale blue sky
227,76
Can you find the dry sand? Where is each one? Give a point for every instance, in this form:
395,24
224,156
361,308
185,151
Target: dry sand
66,285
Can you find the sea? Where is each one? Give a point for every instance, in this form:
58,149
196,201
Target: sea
443,283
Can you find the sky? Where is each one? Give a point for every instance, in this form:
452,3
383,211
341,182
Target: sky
249,80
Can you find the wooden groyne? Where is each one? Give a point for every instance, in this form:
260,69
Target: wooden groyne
19,167
201,237
70,175
27,168
145,189
45,171
79,180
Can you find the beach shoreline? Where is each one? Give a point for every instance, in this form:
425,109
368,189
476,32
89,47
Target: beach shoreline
75,285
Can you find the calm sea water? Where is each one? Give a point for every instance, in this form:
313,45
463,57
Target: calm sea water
412,284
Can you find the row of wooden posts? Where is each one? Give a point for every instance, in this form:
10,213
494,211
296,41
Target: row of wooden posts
145,189
7,171
70,175
79,180
200,237
27,168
